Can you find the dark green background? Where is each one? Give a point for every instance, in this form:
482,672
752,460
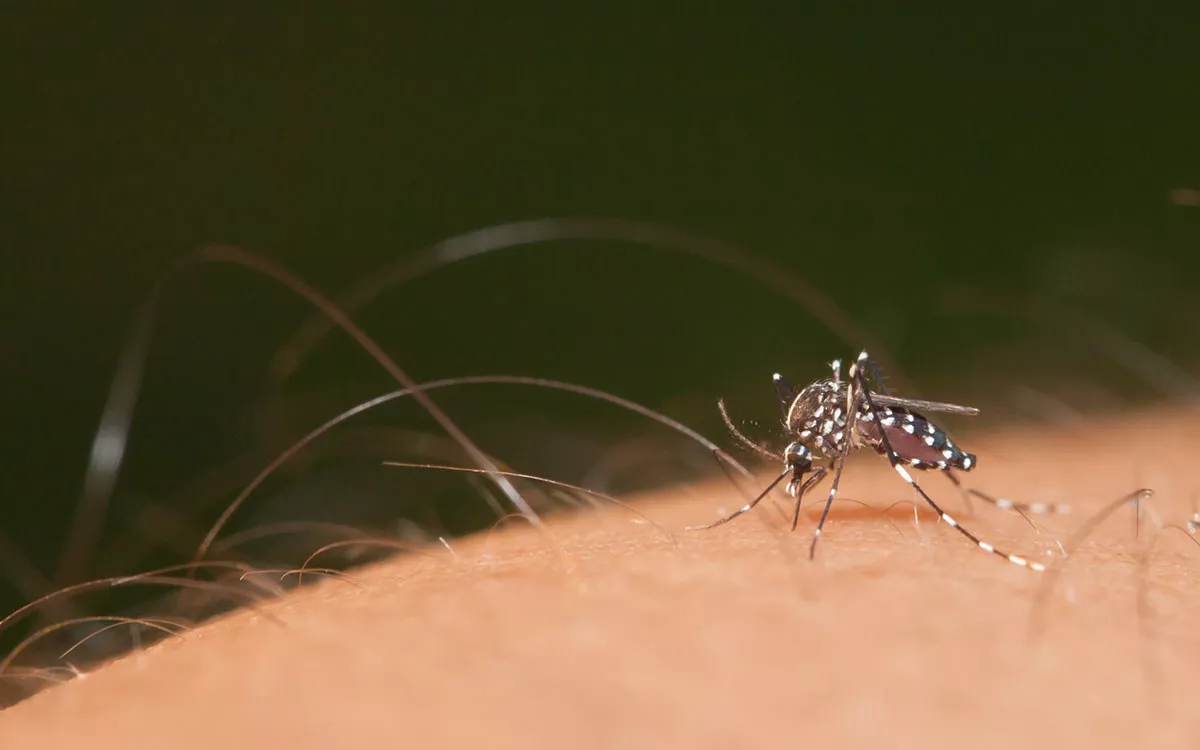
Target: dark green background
933,173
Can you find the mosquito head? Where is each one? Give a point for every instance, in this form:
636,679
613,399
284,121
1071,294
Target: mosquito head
798,457
800,460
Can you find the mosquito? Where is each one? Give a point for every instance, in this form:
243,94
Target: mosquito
831,417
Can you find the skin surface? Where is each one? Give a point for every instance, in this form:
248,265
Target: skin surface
893,637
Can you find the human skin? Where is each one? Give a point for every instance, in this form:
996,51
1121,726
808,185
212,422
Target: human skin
614,636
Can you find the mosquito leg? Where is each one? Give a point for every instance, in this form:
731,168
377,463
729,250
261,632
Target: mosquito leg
1003,504
716,454
746,508
839,462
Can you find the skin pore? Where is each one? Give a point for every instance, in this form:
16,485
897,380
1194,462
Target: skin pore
616,637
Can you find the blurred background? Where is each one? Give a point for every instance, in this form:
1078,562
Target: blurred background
1008,206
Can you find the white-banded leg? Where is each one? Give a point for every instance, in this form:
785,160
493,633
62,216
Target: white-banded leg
745,508
1037,509
838,463
856,376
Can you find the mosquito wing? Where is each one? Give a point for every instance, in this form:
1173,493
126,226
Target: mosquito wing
920,406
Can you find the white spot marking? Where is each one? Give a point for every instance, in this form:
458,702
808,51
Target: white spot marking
949,521
929,440
1018,560
908,428
903,473
986,547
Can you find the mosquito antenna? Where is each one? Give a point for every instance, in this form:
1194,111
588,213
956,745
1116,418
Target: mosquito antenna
760,450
